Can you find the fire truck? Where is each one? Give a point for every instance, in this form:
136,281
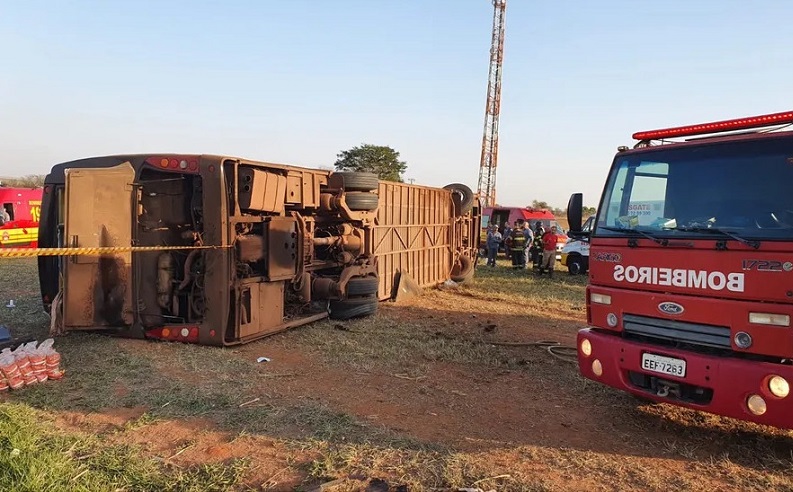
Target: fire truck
690,290
23,206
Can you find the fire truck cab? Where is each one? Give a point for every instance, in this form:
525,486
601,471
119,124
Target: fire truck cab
23,208
690,292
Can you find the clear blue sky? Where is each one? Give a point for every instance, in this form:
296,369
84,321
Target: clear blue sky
297,81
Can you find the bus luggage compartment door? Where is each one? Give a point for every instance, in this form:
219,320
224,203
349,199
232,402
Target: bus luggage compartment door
97,290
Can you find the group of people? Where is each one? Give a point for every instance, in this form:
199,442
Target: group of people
523,244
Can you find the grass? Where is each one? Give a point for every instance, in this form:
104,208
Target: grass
315,440
36,457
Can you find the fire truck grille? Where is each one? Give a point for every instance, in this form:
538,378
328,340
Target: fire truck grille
677,331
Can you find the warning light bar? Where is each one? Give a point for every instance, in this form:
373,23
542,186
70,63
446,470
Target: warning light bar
717,126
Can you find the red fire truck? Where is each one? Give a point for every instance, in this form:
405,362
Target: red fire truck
23,207
690,292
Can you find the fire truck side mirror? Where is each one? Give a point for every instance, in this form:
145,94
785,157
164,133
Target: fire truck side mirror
575,211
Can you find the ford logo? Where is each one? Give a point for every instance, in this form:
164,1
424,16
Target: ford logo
670,308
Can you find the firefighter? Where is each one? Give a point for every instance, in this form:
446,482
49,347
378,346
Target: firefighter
536,245
517,246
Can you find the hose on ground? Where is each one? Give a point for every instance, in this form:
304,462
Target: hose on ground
556,349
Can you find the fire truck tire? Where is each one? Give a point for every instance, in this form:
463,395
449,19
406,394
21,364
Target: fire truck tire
359,181
462,196
353,308
362,201
463,270
575,265
363,286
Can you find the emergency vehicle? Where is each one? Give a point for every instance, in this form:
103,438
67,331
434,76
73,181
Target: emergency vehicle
508,215
23,206
692,306
575,253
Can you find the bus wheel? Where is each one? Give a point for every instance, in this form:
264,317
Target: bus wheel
463,198
463,270
362,201
363,286
359,181
353,308
575,265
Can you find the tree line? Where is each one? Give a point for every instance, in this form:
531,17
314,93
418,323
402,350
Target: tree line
559,212
29,181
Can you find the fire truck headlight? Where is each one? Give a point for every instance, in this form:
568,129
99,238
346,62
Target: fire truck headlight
779,386
756,405
586,347
743,340
769,319
597,368
600,298
612,320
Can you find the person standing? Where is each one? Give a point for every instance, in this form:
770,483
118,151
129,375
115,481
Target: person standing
549,240
494,240
528,236
518,246
536,246
507,235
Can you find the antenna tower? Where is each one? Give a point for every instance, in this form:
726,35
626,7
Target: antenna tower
489,157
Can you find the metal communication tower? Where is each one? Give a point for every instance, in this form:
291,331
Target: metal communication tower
489,157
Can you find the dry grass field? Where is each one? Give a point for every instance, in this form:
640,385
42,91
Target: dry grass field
419,397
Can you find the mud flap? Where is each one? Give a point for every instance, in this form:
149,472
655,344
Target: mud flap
97,290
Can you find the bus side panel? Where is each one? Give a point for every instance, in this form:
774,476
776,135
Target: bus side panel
414,234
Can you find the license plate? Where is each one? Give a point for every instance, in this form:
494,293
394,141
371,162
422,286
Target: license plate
664,365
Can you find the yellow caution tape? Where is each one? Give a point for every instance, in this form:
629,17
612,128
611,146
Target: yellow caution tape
32,252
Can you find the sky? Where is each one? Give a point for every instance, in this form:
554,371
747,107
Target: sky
299,81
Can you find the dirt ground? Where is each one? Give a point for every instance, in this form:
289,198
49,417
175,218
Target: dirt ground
417,397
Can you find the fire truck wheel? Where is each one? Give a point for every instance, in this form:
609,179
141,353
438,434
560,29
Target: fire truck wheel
359,181
362,201
462,196
353,308
363,286
463,270
575,265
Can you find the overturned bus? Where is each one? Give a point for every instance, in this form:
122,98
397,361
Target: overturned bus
275,246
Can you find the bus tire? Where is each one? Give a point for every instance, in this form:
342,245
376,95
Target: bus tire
353,308
463,270
362,201
463,198
363,286
359,181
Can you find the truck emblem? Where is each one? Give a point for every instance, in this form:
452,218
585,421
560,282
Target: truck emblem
670,308
766,265
609,257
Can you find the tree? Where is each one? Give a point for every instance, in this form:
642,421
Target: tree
539,205
381,160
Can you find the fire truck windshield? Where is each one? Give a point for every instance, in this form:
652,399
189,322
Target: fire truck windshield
738,189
